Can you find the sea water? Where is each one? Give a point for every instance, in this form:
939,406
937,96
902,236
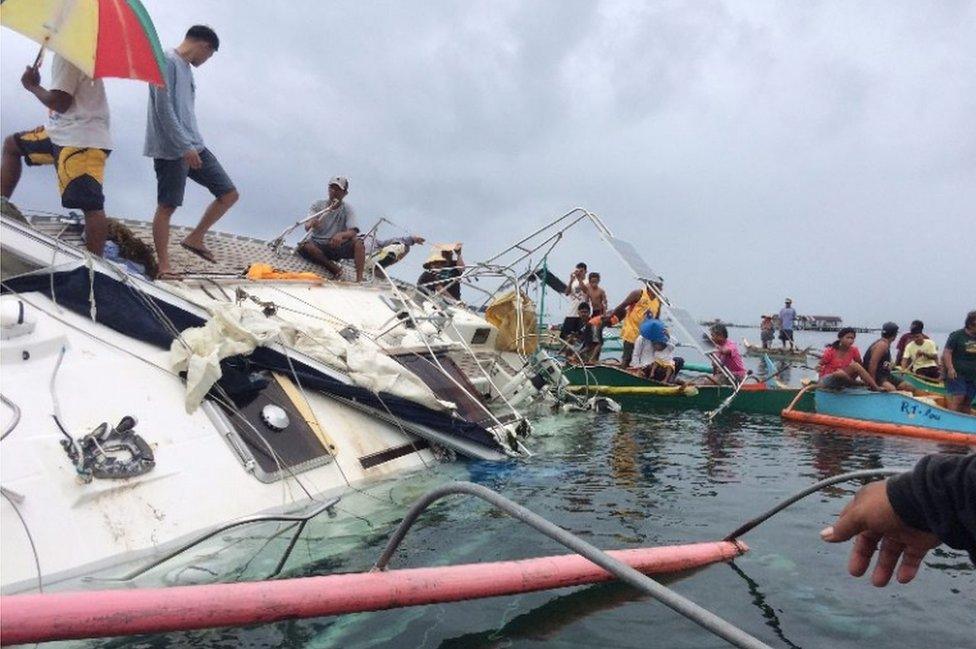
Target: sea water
621,481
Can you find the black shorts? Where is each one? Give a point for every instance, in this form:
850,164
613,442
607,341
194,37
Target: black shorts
345,250
627,354
80,170
930,372
171,178
597,329
786,335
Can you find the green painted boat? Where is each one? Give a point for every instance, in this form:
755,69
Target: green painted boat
922,383
635,393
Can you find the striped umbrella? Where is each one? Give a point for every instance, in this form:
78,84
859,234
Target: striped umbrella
102,38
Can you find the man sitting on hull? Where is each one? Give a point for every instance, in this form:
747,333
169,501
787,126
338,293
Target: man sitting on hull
334,234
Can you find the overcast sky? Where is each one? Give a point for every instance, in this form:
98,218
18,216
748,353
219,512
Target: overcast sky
751,150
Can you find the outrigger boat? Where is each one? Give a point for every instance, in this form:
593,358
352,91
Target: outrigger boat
924,383
776,353
635,393
890,413
236,396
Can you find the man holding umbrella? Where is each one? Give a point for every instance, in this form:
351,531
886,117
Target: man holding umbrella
92,39
75,140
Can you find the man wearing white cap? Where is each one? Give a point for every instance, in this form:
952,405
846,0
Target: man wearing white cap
334,235
787,316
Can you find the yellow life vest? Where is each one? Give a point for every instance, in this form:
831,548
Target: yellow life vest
647,303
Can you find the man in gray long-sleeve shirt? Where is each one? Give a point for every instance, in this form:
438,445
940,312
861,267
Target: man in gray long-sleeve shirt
173,141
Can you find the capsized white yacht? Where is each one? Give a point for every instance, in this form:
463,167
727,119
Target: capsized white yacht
137,415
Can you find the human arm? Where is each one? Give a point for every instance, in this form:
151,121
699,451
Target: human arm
58,100
350,222
909,515
621,309
162,103
341,237
929,350
825,359
668,374
906,356
872,367
950,369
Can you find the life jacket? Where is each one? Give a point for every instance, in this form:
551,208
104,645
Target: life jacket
647,303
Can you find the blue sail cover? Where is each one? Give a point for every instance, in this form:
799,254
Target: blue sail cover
123,308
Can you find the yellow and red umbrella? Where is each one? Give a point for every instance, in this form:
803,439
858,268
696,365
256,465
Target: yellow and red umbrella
103,38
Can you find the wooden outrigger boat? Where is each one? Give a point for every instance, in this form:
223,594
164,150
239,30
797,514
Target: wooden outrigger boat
890,413
635,393
776,353
921,382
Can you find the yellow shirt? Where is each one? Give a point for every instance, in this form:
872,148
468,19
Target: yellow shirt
648,303
915,360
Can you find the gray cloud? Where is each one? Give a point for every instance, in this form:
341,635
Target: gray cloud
753,150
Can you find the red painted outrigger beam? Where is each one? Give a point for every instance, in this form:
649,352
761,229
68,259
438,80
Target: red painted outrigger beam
107,613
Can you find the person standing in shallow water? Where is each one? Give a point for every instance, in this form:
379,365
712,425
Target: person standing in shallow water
174,143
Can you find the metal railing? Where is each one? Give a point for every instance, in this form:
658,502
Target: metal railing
704,618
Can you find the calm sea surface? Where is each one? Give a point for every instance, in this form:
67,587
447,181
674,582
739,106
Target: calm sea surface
619,481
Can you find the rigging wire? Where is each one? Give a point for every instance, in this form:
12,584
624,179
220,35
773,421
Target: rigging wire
30,538
13,406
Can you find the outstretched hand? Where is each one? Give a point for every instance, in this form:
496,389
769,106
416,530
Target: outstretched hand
872,520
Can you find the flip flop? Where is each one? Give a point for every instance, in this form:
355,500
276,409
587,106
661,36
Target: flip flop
203,253
169,276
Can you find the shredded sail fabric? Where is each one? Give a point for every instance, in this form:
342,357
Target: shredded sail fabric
236,330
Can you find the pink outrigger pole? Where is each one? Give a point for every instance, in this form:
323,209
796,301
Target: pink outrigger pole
107,613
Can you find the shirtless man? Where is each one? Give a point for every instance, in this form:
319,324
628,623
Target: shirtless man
598,297
598,307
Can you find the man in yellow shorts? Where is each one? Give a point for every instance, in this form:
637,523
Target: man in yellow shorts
75,140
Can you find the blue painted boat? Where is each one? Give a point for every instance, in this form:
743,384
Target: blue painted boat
893,408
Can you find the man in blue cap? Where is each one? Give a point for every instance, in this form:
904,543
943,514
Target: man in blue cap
653,355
